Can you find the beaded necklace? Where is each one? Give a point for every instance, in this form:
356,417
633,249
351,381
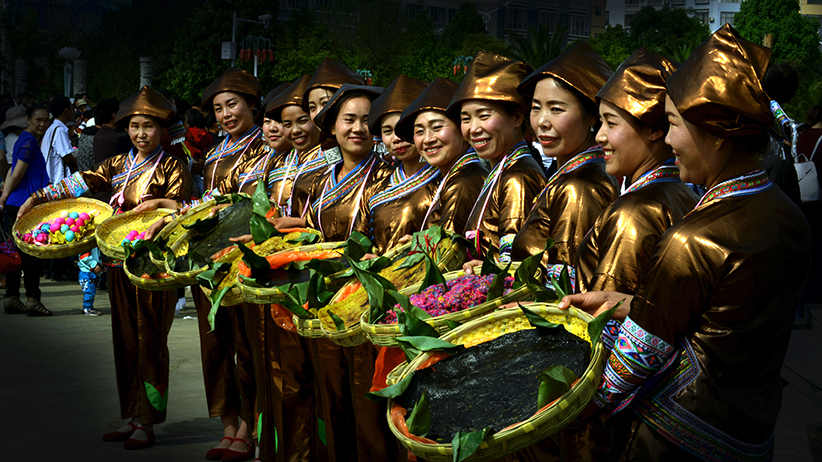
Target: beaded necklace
753,182
665,173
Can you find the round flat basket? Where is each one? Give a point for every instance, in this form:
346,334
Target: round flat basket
450,256
385,334
308,328
175,230
547,421
153,284
112,231
269,295
50,210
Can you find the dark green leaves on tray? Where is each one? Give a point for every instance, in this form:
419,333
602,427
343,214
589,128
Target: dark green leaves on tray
553,383
420,420
536,320
413,346
392,391
465,444
261,229
596,326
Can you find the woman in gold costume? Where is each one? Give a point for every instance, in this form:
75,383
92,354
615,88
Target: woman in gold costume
140,319
564,118
706,333
492,117
232,98
439,140
398,205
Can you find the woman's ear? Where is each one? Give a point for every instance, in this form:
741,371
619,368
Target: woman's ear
519,117
657,134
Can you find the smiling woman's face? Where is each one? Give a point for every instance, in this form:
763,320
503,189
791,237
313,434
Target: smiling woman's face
233,114
490,128
558,119
145,133
351,127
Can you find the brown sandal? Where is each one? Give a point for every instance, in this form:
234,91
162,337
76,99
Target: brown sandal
35,308
13,305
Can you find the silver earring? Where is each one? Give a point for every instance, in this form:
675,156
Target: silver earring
592,129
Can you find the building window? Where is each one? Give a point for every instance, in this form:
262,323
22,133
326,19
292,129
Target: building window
701,1
726,17
677,2
628,18
702,15
548,19
292,4
438,14
515,18
452,12
655,2
580,25
580,4
548,2
413,10
814,2
632,2
736,1
597,11
607,18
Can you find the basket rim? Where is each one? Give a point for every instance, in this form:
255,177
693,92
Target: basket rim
590,376
273,291
103,230
88,242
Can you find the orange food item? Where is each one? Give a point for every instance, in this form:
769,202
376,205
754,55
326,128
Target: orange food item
223,253
146,276
278,260
244,269
349,289
161,275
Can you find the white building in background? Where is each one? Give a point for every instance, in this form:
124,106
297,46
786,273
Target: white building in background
714,13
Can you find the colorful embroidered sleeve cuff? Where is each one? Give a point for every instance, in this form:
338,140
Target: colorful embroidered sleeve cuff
637,355
72,186
505,244
554,271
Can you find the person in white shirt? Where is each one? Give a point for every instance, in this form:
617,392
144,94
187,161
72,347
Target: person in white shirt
56,146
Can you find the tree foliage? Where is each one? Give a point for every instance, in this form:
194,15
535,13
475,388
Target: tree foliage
541,45
671,32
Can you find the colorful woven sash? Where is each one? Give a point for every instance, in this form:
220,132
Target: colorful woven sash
470,157
135,171
752,182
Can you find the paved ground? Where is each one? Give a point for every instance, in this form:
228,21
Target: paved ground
59,397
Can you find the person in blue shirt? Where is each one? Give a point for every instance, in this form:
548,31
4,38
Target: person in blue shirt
28,174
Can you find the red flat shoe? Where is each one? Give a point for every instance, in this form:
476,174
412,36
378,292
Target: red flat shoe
217,453
231,455
131,443
119,437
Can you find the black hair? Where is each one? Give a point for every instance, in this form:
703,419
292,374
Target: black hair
58,104
34,108
195,118
105,111
780,82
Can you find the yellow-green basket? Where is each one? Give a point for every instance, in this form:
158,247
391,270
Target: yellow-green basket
544,423
386,334
175,230
111,232
49,210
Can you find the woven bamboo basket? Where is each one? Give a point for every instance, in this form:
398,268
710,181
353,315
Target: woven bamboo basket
152,284
49,210
546,421
178,248
451,258
269,295
112,231
175,230
385,334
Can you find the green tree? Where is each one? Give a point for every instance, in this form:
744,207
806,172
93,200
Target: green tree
667,30
614,45
796,42
541,45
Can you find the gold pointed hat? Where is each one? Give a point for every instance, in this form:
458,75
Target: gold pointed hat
291,95
436,97
580,67
490,77
234,80
719,87
638,87
149,103
326,118
396,97
332,75
269,98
